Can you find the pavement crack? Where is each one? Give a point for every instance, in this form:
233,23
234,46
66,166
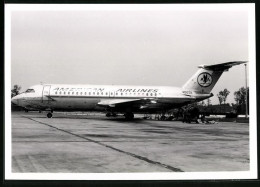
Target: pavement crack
174,169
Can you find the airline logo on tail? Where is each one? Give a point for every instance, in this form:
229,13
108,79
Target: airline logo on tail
204,79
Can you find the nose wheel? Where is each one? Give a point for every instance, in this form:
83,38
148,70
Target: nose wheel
49,115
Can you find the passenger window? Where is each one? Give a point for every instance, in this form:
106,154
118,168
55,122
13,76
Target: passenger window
72,93
89,93
68,93
76,93
64,93
56,93
97,93
80,93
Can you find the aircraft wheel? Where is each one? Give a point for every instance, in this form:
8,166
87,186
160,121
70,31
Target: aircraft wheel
49,115
129,116
114,114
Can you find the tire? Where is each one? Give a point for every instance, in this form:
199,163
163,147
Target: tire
129,116
114,114
49,115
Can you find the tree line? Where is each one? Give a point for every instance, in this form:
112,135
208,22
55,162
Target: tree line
15,91
241,97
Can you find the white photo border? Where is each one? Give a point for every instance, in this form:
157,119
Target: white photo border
251,174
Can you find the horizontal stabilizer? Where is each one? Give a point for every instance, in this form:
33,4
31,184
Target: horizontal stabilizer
222,66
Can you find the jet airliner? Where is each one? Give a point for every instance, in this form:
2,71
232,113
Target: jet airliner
122,99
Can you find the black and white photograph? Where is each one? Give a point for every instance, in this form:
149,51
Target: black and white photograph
130,91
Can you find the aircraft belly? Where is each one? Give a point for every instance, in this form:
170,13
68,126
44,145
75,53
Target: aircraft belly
33,103
74,103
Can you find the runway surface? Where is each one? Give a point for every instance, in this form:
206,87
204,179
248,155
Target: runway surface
94,144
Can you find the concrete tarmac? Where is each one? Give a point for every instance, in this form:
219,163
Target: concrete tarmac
96,144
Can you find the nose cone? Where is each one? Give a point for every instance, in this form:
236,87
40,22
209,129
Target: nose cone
14,100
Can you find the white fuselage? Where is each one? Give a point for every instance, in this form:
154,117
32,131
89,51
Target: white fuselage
104,97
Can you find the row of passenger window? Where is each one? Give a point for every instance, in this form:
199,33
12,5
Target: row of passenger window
106,94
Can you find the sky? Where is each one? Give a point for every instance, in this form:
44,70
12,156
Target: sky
128,47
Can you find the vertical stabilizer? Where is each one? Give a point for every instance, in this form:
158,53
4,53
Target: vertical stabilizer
207,76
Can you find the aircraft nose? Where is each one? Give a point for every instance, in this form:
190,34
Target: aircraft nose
14,100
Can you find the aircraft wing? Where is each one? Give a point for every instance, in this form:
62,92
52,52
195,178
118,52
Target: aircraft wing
142,103
122,102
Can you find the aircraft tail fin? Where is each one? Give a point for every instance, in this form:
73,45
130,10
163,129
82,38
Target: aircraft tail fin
207,76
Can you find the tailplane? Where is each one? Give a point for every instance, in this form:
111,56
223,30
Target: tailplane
207,76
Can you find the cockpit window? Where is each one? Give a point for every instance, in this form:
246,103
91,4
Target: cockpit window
30,91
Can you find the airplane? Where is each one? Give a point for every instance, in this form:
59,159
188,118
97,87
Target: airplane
127,100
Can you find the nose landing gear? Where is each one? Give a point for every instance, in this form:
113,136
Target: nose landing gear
49,115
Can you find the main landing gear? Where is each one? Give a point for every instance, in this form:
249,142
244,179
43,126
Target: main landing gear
129,116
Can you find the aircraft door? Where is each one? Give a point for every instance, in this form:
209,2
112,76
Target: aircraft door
46,92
